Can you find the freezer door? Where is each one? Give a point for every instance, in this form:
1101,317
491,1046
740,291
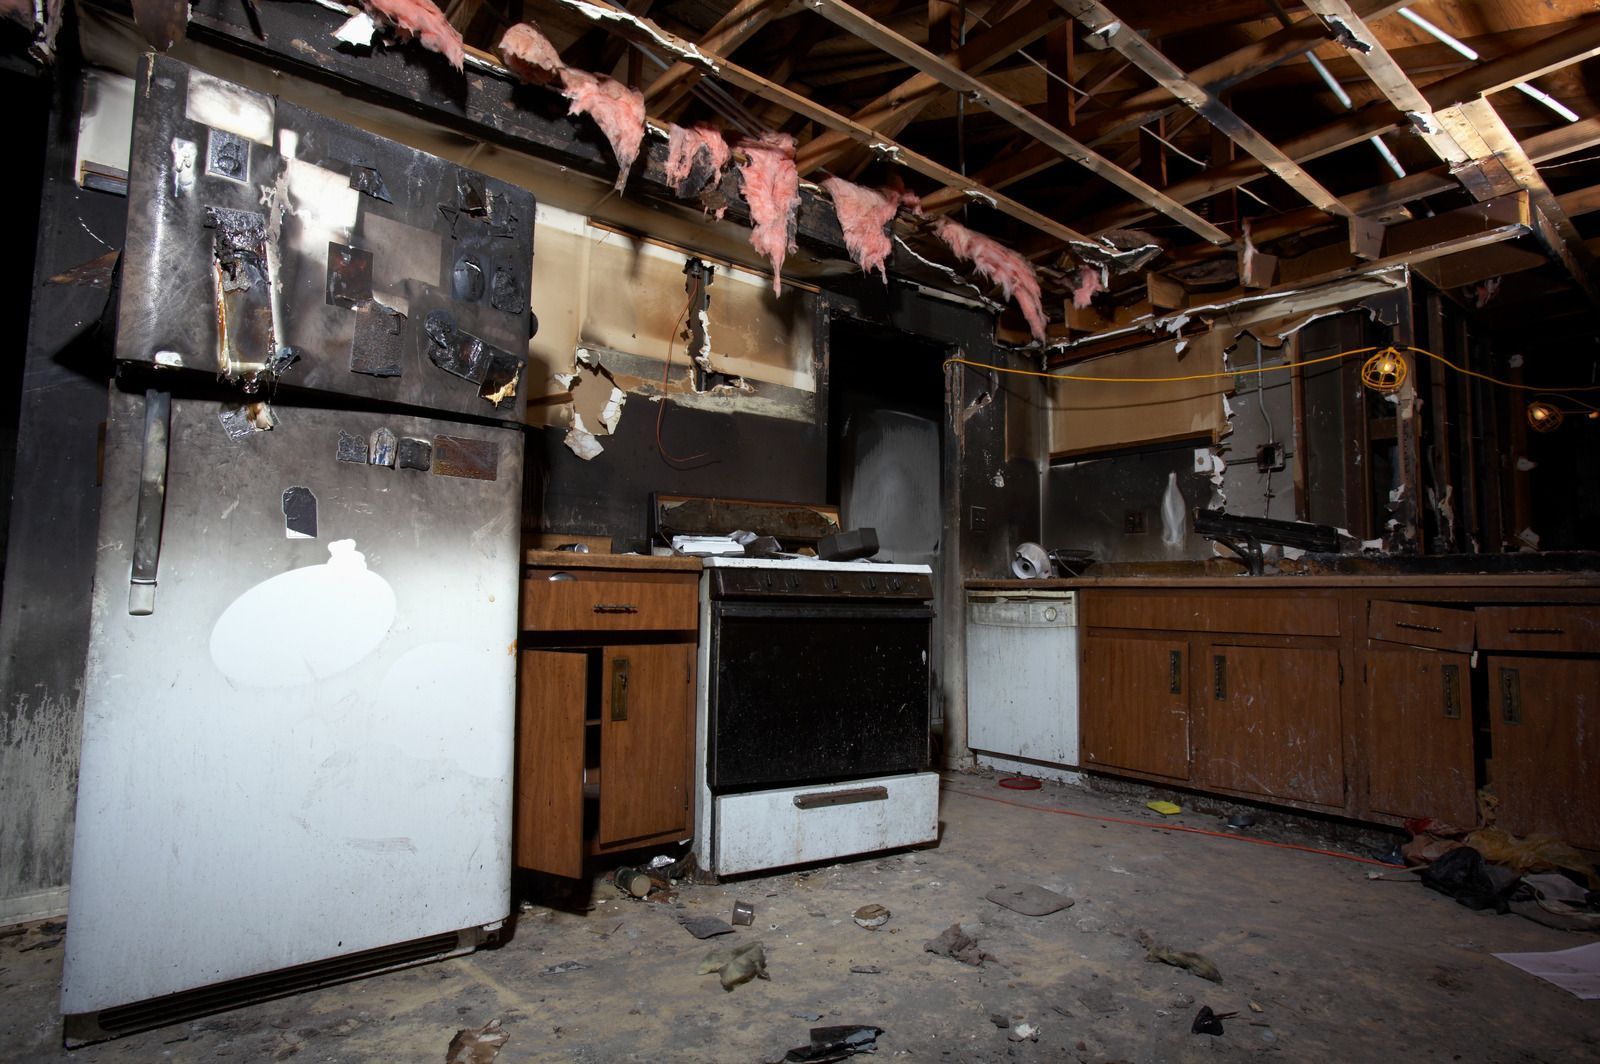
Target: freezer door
305,749
269,244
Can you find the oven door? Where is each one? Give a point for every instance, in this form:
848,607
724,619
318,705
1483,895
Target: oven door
804,693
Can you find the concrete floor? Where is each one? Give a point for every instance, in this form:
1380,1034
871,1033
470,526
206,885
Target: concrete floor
1341,967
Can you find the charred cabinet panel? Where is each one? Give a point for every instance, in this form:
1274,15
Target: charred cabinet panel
1272,722
268,244
1419,733
1135,704
1545,721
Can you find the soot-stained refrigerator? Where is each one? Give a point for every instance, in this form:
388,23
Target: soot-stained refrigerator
299,724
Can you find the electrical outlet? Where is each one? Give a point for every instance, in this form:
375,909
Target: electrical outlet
1202,459
1270,458
1133,522
978,519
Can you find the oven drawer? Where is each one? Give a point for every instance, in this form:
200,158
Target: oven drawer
587,600
798,825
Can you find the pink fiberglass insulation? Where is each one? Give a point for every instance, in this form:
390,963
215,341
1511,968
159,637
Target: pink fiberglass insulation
420,19
529,55
1088,283
615,108
903,196
698,151
864,215
1013,273
772,189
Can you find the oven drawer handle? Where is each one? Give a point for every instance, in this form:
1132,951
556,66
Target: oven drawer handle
823,799
615,607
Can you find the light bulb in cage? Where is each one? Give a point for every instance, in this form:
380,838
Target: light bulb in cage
1543,416
1385,371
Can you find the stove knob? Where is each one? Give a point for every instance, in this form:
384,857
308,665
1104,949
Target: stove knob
832,582
872,583
894,583
791,581
766,581
1050,613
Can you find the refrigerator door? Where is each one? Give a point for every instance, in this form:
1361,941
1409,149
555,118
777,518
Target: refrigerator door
268,244
304,750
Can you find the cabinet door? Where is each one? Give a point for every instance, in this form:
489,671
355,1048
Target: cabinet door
1419,734
549,789
1272,722
1545,715
1134,705
646,721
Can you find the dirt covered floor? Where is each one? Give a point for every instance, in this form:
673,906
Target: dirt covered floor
1320,963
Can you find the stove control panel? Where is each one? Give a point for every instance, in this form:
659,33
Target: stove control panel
778,582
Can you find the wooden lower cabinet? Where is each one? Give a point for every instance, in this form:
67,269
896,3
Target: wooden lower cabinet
1135,704
1544,766
1418,734
1272,722
605,720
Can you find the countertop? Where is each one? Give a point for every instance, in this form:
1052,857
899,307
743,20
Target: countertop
1291,583
568,559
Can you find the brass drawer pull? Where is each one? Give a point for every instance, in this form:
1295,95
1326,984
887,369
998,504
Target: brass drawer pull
850,797
1418,627
1537,631
614,607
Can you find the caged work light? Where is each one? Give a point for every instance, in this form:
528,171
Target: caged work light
1385,371
1544,417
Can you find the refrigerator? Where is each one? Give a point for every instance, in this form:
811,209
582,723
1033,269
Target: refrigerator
300,690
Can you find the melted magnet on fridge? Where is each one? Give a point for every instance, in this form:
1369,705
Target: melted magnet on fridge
413,453
381,451
467,278
456,456
367,179
228,155
352,448
378,347
349,276
240,421
299,513
507,292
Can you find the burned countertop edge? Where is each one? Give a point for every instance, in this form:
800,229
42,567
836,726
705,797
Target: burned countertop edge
565,559
1288,582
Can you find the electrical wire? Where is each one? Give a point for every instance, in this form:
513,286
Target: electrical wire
1164,827
661,406
1251,371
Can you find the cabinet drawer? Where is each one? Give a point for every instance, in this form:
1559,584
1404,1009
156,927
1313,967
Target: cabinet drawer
1419,625
1251,613
1557,629
605,601
798,825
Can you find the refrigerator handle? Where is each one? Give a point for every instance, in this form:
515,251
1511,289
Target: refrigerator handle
152,503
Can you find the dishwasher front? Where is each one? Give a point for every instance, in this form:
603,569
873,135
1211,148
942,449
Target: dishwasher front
1022,681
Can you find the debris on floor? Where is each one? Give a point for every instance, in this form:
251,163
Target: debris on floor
1193,962
835,1043
1208,1022
1576,970
738,965
477,1046
865,969
633,882
1164,808
1030,899
871,916
744,914
1024,1032
702,926
956,944
564,967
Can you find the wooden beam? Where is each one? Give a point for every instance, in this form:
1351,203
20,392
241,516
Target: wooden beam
1562,49
1551,224
1452,136
1470,267
894,110
1237,66
741,22
1098,20
727,71
952,77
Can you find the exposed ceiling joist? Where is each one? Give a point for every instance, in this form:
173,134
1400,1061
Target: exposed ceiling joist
952,77
647,34
1102,24
673,84
892,111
